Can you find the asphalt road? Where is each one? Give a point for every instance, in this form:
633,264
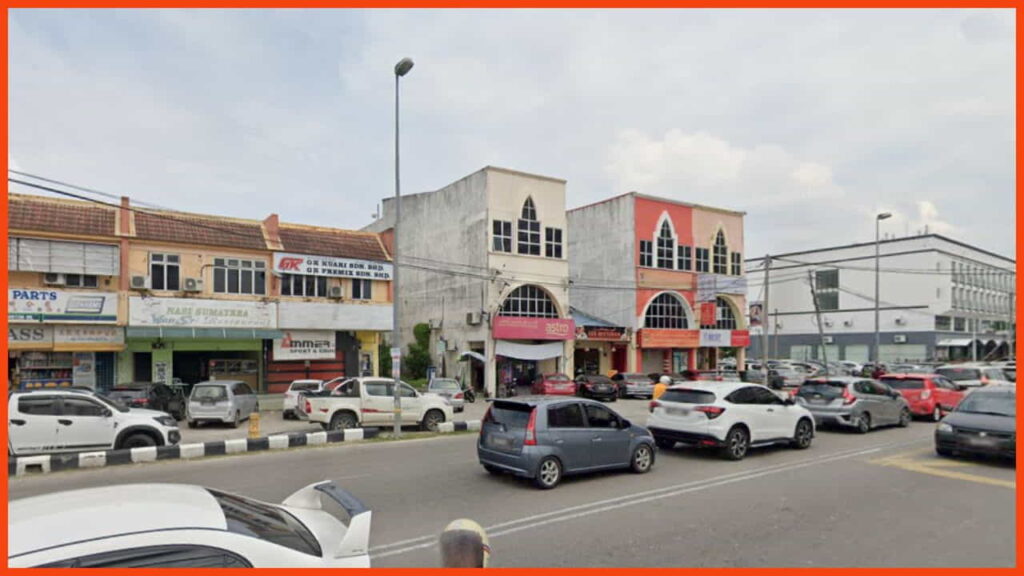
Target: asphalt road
882,499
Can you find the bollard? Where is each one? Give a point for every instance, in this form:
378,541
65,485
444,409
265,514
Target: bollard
254,425
464,544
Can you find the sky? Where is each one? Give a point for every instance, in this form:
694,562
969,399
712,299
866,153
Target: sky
810,121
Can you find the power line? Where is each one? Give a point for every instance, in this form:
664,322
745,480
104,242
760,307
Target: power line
82,188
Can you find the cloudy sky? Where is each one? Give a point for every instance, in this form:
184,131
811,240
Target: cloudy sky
810,121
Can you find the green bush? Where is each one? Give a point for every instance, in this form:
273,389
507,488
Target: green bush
415,363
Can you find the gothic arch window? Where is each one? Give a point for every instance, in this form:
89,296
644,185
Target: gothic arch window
720,254
529,230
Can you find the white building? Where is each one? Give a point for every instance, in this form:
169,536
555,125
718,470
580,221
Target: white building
937,296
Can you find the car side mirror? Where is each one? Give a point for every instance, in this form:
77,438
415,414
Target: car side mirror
623,424
107,413
789,400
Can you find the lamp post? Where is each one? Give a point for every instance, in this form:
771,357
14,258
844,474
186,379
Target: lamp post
401,69
878,220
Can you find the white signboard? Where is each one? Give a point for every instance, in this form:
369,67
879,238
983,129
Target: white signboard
706,288
44,305
305,345
711,285
285,263
715,338
333,316
84,369
88,335
28,336
196,313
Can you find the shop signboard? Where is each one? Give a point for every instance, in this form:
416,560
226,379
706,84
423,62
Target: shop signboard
196,313
715,338
286,263
665,338
602,333
528,328
706,288
83,369
740,338
29,336
305,345
45,305
86,335
708,311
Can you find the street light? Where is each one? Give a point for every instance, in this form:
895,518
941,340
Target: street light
401,69
878,220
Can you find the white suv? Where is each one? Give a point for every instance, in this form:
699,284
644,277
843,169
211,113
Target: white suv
730,416
51,421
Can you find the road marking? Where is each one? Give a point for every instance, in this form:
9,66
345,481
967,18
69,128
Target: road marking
581,510
940,468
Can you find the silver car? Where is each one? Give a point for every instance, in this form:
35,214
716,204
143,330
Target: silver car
634,384
227,401
450,389
853,402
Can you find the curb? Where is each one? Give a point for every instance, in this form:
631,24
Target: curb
20,465
449,427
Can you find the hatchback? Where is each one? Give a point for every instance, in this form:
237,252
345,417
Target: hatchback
973,376
928,394
985,423
553,384
545,438
853,402
228,401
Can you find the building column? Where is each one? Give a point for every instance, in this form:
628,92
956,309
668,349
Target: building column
490,368
569,354
691,359
741,358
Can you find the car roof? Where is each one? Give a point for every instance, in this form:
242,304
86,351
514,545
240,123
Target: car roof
911,375
844,379
724,387
62,518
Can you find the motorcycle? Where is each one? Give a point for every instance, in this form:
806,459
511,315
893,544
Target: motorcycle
469,395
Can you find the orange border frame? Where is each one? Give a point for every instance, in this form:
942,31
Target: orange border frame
1018,4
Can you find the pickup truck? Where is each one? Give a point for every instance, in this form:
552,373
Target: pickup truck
369,402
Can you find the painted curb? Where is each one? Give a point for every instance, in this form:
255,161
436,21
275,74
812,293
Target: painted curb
449,427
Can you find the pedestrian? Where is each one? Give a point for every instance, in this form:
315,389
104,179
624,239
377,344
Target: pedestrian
464,544
663,383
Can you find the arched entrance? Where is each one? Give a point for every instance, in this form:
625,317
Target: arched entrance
529,337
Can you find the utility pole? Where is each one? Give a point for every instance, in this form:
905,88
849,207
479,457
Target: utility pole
775,323
764,316
817,315
1011,328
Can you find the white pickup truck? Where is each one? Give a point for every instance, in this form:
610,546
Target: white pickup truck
369,402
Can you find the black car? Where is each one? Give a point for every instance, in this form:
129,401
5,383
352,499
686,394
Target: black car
984,423
153,396
597,387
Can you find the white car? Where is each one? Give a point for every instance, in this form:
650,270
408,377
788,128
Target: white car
51,421
974,375
730,416
290,405
369,401
185,526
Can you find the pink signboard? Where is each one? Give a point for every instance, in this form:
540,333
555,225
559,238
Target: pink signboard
525,328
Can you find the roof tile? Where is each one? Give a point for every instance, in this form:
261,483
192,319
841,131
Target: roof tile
58,215
332,242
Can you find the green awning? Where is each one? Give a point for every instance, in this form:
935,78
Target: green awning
177,333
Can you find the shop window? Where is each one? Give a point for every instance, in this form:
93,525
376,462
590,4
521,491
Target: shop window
666,311
959,325
735,267
666,247
721,250
362,289
237,276
303,285
703,263
81,281
530,301
529,230
684,260
724,317
165,271
502,234
553,242
646,254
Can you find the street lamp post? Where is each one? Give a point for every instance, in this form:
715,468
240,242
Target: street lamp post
878,220
401,69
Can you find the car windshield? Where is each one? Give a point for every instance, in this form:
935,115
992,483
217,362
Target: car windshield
960,374
304,386
209,391
827,389
688,396
995,404
512,415
904,383
252,518
444,385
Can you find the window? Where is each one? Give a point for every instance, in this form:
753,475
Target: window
864,387
735,268
347,389
763,396
724,318
529,230
236,276
703,265
666,311
666,247
81,280
167,556
553,242
959,325
743,395
267,523
406,391
943,323
81,407
241,389
303,285
721,253
165,271
600,417
38,405
379,388
685,256
502,234
826,289
362,289
566,416
529,300
646,254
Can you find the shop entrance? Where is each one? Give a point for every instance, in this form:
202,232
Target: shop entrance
143,367
588,361
192,367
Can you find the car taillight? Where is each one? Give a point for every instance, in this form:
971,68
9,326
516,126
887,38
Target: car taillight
984,380
848,398
309,407
487,416
711,412
458,396
654,404
531,430
926,394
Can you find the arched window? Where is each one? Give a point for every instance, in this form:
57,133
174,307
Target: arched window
666,311
666,246
529,300
724,317
529,230
721,254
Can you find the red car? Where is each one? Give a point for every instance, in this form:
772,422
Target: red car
559,384
929,395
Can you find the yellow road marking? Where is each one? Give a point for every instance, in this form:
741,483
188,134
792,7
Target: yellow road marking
940,468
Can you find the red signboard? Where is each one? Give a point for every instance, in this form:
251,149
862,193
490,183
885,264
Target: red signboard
707,313
655,338
525,328
602,333
740,338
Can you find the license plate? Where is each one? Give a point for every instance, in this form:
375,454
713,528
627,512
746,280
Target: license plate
979,441
677,411
499,442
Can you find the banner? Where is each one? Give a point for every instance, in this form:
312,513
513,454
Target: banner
740,338
665,338
84,369
756,310
61,306
285,263
530,328
715,338
602,333
305,345
195,313
708,312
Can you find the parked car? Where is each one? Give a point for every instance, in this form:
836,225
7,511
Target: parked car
185,526
52,421
451,389
553,384
732,417
791,376
290,402
227,401
154,396
929,395
634,384
545,438
984,423
906,369
855,402
973,375
369,401
1009,368
596,386
852,368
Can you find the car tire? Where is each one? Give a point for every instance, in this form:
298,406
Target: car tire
944,452
864,423
613,399
664,443
343,421
803,435
237,420
737,442
549,473
137,441
936,414
431,420
193,424
904,418
642,459
492,470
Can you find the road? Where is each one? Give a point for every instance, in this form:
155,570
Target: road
882,499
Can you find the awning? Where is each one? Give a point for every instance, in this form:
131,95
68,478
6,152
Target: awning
176,333
528,351
954,342
471,354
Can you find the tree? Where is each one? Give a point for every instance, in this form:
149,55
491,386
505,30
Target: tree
416,362
384,359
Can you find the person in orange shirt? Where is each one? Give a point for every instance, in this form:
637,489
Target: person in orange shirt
663,383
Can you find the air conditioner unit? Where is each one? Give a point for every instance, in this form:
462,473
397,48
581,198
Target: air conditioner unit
827,339
901,321
828,323
193,285
53,279
473,318
435,324
140,283
848,323
334,292
899,338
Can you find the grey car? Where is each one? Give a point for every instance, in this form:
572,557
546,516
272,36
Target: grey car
634,384
547,437
450,389
227,401
859,403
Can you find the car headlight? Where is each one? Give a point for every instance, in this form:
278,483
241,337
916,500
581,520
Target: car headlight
943,427
167,421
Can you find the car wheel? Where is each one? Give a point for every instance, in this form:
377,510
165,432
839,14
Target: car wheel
643,459
864,423
804,434
431,420
736,444
613,399
943,452
138,441
193,424
237,420
936,414
549,473
904,418
664,443
343,421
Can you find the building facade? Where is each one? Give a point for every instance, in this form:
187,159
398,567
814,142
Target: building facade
939,300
